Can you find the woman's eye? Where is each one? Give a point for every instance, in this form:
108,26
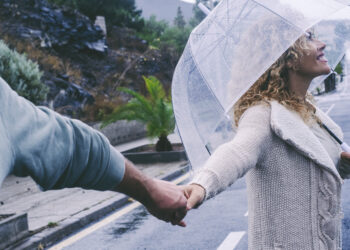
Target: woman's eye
310,35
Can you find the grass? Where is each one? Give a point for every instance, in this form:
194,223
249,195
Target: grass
52,224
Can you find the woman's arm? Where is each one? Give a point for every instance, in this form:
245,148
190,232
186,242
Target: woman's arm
235,158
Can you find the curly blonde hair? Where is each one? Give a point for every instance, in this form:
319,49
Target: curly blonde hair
272,85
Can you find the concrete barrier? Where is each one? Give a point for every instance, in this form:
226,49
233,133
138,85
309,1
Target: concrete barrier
122,131
12,228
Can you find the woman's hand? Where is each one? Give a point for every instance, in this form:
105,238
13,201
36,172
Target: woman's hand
345,157
195,195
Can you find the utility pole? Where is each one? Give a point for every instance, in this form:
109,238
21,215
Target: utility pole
206,10
211,4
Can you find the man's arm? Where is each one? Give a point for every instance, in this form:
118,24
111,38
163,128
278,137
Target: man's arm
58,152
162,199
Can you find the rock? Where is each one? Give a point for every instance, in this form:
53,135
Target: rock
56,28
68,97
124,37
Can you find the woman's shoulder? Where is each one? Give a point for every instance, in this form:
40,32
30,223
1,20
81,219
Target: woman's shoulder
260,112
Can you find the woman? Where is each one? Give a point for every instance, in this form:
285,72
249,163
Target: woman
293,167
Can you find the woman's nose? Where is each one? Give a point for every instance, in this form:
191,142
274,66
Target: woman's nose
321,46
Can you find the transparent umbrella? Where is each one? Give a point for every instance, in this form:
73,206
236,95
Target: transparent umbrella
236,43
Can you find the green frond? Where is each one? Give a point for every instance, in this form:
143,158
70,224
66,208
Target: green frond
147,105
155,111
154,88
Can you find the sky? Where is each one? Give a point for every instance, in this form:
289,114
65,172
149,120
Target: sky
189,1
165,9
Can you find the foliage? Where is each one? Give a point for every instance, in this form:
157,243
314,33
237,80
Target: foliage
22,74
52,224
176,37
159,34
153,31
117,12
154,110
339,68
198,14
179,20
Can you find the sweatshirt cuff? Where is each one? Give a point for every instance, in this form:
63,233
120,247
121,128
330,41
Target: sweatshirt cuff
115,170
208,180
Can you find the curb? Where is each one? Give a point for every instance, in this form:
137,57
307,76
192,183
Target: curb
134,155
12,229
49,236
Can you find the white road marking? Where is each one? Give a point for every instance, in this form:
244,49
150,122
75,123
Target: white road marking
74,238
246,214
231,241
330,109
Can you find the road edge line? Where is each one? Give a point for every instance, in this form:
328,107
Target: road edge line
48,237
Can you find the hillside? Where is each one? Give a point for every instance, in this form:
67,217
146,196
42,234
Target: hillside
81,67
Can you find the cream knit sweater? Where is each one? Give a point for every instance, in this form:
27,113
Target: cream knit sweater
293,183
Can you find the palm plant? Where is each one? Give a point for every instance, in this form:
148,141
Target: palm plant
154,110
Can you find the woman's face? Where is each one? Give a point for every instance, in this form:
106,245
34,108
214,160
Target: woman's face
313,63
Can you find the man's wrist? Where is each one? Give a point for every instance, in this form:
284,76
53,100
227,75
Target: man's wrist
135,184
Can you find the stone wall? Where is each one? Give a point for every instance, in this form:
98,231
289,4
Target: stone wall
122,131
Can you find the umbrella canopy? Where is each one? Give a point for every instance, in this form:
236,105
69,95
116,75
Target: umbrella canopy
237,42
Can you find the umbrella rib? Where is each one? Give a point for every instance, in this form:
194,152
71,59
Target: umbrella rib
286,20
239,15
216,41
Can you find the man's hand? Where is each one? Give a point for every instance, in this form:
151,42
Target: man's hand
162,199
195,195
345,157
167,202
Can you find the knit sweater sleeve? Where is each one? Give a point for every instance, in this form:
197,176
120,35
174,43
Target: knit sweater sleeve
232,160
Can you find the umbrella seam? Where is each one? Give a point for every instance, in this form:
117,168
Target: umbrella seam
210,89
274,12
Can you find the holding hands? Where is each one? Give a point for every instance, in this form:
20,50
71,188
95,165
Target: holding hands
171,203
167,202
163,199
195,195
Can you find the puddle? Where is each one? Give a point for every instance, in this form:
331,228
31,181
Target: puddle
130,222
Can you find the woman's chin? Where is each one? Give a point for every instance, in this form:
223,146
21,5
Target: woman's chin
327,70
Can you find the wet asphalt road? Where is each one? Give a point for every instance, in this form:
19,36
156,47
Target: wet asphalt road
208,226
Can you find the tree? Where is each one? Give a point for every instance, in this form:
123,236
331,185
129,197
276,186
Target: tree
176,37
179,20
198,14
153,30
154,110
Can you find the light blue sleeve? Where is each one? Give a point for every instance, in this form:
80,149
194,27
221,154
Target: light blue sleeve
56,151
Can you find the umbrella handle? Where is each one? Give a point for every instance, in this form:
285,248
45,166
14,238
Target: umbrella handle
345,147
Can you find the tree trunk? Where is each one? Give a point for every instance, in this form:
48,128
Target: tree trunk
163,144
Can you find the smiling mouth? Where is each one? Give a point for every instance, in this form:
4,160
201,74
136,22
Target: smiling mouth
322,58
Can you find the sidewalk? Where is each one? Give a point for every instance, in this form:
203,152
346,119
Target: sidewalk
55,214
